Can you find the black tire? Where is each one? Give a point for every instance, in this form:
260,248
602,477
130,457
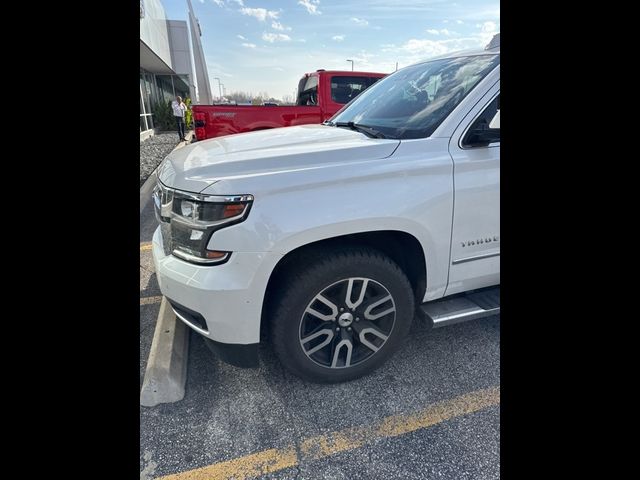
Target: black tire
341,271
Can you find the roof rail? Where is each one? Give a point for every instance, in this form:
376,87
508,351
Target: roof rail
494,43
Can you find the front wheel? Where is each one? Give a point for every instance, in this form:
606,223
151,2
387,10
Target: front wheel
341,316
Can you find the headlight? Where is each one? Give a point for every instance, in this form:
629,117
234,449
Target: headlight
188,221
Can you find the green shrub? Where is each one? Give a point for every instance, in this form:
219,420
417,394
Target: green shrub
163,116
188,115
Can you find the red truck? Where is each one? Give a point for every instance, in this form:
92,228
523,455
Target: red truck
320,95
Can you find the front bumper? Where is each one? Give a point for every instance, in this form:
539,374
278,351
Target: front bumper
227,297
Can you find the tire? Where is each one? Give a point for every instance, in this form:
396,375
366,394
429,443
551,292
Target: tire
308,308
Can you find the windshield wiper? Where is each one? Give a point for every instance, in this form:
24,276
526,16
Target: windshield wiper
369,131
328,122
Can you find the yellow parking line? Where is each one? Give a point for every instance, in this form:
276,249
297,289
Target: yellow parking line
314,448
145,246
150,300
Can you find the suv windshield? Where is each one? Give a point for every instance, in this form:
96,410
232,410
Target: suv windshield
412,102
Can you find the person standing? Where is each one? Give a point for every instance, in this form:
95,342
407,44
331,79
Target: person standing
179,108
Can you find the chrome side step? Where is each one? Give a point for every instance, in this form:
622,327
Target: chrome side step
450,310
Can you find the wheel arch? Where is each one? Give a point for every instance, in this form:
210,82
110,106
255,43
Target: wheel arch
402,247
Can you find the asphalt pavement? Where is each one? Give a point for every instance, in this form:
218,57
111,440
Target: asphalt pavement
240,416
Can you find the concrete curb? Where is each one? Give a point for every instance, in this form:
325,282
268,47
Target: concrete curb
166,373
147,186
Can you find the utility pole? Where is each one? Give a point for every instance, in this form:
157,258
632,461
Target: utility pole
396,66
351,64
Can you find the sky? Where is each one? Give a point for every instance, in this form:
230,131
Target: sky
267,45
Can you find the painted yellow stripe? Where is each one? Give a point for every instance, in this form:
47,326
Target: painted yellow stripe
150,300
145,246
322,446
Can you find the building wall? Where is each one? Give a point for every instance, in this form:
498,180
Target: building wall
154,31
181,52
179,46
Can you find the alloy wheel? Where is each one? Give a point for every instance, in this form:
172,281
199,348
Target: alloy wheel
347,322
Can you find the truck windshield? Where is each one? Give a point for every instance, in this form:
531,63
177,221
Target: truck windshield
412,102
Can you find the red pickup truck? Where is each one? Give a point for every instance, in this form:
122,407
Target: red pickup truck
320,95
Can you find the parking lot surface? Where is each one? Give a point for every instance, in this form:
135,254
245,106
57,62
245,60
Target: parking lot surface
432,411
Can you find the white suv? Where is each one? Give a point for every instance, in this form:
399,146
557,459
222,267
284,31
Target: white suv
330,238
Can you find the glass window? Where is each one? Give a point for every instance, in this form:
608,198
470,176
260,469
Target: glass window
165,88
345,89
181,84
144,92
308,91
412,102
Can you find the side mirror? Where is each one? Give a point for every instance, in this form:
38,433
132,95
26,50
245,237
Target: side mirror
482,135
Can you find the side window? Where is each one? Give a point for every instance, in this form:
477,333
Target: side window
345,89
481,133
308,94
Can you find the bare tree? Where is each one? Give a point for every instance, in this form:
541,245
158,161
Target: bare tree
287,99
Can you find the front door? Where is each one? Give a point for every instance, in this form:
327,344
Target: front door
475,150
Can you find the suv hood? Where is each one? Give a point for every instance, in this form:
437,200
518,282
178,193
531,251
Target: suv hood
195,167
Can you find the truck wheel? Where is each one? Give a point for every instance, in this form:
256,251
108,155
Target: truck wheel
342,315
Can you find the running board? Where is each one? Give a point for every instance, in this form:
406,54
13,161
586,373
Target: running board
477,304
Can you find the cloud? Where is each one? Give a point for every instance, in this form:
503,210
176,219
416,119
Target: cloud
359,21
338,38
418,49
260,13
311,6
278,26
487,31
459,22
275,37
239,2
249,45
241,37
442,31
488,27
220,3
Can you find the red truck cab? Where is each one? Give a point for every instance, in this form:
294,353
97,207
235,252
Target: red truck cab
320,95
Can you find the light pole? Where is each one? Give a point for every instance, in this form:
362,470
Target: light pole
219,88
351,64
